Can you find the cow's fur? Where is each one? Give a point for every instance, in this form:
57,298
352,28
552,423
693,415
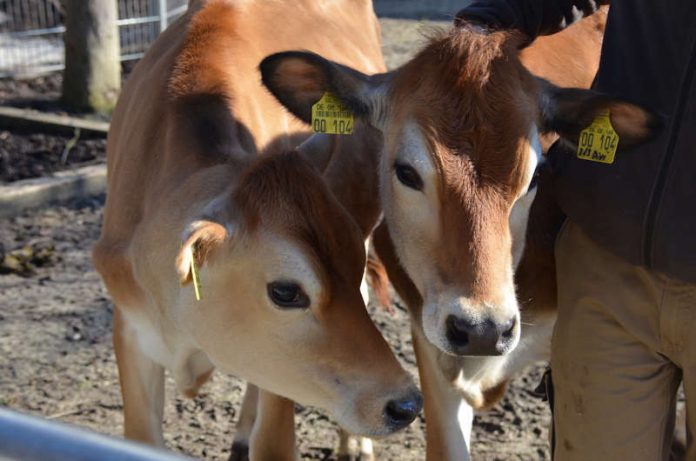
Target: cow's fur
200,175
470,119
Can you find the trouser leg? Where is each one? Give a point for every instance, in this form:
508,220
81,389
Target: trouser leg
679,333
614,389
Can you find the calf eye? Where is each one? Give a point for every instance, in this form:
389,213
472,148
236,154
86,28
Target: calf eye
408,176
287,295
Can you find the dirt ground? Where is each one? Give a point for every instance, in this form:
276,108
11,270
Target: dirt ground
56,358
32,155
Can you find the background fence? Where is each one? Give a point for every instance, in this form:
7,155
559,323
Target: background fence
31,32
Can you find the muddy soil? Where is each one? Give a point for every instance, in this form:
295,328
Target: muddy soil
27,154
56,360
56,357
32,155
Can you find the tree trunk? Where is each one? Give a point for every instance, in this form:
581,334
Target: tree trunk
92,76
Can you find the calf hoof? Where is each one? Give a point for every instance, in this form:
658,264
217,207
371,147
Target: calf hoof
366,457
240,452
360,457
353,448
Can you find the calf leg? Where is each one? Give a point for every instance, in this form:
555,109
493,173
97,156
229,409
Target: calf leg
367,452
352,448
273,435
142,386
347,446
245,424
448,416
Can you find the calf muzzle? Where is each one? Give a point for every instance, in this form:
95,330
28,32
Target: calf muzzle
399,413
481,338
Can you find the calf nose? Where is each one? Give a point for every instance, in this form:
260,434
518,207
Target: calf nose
399,413
483,338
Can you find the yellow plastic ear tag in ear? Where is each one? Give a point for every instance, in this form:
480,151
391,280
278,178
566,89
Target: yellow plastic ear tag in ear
195,276
331,117
598,142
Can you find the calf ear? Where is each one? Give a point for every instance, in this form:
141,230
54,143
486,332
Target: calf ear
318,150
568,111
299,79
201,239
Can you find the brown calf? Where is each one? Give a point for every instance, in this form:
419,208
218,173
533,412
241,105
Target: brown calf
462,123
279,259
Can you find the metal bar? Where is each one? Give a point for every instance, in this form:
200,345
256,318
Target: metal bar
138,11
163,15
133,21
132,56
27,438
31,71
41,9
177,11
36,32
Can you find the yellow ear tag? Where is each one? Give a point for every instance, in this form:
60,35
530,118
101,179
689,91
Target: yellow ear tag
598,142
331,117
195,276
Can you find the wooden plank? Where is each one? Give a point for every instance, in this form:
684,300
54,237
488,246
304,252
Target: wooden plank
13,117
19,196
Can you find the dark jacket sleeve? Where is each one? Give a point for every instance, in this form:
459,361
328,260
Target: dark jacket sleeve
531,17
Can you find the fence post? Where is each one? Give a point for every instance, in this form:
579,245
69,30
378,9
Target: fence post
163,15
92,76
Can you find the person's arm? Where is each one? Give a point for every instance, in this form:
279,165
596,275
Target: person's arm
531,17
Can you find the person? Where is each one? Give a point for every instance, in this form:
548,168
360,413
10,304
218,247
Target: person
626,257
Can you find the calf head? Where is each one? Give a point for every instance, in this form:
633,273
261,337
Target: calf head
461,124
280,264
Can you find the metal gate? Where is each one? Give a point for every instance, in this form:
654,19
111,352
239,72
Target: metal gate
31,32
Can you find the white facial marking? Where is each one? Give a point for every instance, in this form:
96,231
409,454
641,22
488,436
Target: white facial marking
413,215
364,287
519,216
413,150
440,304
287,262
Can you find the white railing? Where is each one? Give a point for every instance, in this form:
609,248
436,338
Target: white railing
28,438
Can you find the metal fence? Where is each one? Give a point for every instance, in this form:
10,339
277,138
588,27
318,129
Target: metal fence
28,438
31,32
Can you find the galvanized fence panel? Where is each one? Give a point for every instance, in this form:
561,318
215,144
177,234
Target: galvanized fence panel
31,36
31,32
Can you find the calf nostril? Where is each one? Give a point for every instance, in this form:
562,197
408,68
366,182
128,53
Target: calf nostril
457,330
508,328
400,413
